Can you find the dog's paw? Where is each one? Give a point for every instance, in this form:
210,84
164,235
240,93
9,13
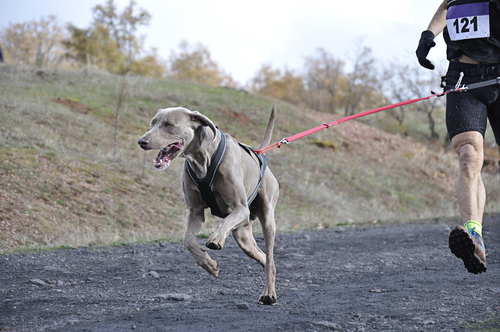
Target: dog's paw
212,245
214,272
267,299
212,267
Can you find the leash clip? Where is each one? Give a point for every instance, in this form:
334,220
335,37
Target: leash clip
284,141
457,86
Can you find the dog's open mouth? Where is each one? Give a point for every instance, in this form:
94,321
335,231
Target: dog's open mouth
167,155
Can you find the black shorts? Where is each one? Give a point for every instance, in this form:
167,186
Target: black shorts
469,110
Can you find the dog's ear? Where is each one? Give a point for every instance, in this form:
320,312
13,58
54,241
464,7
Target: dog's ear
204,121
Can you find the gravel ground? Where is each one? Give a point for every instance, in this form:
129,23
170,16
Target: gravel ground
398,277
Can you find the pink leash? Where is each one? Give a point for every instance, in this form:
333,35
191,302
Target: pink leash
292,138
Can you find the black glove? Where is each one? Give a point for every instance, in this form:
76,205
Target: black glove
424,45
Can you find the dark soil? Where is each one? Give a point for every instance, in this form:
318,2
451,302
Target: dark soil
398,277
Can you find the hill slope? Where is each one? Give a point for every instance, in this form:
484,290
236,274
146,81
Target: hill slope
61,184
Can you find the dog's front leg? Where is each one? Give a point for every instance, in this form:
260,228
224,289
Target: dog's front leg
194,222
239,217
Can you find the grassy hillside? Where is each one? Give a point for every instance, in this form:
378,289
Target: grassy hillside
62,185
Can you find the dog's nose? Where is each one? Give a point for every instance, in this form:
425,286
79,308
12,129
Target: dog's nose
143,142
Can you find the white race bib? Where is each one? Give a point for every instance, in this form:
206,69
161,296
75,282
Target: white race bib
468,21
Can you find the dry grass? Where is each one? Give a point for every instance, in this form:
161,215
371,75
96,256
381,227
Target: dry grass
62,185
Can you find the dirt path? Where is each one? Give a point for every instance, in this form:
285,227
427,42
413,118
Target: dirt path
377,278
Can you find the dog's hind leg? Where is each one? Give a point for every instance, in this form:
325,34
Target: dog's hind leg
246,241
194,222
266,202
268,296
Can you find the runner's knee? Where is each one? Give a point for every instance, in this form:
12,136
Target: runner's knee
470,158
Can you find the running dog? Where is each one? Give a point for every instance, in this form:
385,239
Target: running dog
224,175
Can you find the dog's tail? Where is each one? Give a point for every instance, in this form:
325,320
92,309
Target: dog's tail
269,129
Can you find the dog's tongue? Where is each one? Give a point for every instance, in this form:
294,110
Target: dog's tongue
166,155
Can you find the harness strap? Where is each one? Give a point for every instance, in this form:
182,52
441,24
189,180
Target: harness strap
205,185
263,164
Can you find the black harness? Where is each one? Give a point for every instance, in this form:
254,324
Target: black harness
205,185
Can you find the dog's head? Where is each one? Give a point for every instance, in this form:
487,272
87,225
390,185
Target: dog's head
173,130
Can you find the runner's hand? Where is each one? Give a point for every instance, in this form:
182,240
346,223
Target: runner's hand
424,45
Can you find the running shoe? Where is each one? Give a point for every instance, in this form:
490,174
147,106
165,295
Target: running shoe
468,246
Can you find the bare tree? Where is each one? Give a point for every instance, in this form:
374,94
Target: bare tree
195,64
404,82
395,89
323,80
331,88
362,86
111,42
284,85
36,42
121,93
123,27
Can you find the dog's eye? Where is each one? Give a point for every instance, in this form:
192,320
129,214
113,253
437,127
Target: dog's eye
167,124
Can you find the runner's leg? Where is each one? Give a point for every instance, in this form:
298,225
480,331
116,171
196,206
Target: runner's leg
471,194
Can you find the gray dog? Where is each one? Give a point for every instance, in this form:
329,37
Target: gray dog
225,176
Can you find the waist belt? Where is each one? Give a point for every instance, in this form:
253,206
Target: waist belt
475,70
205,185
